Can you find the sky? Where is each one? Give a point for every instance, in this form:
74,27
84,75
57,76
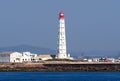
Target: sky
90,24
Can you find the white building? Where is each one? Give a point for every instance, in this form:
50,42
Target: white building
28,57
10,57
95,59
89,60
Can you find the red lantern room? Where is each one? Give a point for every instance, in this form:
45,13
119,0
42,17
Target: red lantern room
61,15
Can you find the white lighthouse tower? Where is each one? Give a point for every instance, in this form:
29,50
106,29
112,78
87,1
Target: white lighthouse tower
61,50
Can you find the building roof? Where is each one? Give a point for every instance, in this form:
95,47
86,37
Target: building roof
45,56
5,53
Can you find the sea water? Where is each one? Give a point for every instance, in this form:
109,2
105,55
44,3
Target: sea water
59,76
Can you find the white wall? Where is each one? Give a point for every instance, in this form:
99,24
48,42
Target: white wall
27,56
15,57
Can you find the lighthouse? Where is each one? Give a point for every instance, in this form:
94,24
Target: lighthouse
61,49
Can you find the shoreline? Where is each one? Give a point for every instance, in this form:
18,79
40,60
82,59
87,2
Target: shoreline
47,67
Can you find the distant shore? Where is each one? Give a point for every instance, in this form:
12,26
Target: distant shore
60,66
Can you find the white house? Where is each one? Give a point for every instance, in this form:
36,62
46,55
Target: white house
95,59
10,57
28,57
